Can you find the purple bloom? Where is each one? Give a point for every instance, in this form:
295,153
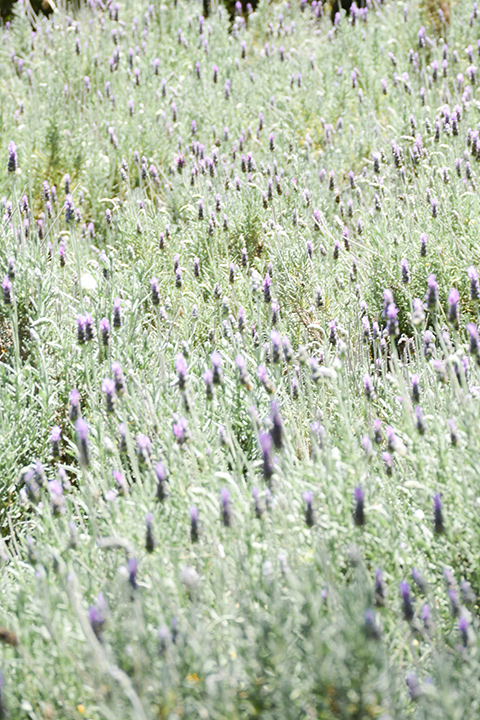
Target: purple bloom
438,514
55,436
431,298
144,448
82,430
74,398
276,432
407,604
474,339
180,430
7,289
266,443
225,507
161,476
12,157
97,615
405,271
368,387
453,313
155,291
392,320
217,362
463,628
194,534
181,368
132,572
117,316
474,284
309,516
150,542
105,331
119,379
267,282
359,512
108,387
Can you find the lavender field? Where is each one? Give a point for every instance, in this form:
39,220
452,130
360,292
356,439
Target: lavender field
240,362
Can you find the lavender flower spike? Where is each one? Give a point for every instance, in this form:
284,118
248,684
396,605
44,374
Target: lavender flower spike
82,431
407,604
359,512
309,516
438,514
12,157
226,511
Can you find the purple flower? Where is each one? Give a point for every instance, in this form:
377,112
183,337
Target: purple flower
217,362
388,462
474,339
82,430
144,448
225,507
474,284
194,533
407,604
267,283
7,289
155,291
74,398
438,514
118,377
393,328
97,615
463,628
368,387
108,387
406,277
161,476
12,157
359,512
431,298
55,436
266,443
105,331
121,483
181,368
132,572
180,430
309,516
276,432
117,316
453,313
150,542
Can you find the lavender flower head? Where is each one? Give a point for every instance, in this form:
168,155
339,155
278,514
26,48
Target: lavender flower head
194,533
407,604
97,615
359,512
12,157
266,443
225,507
431,298
438,514
144,448
82,430
181,368
474,284
55,436
309,516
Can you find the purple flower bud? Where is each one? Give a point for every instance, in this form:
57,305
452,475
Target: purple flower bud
393,328
407,604
388,462
180,430
12,157
181,368
82,430
463,628
155,291
217,362
97,615
453,313
105,331
55,441
7,289
415,389
423,244
266,443
359,512
474,284
405,271
74,398
368,387
438,514
309,516
194,530
117,315
132,572
144,448
108,387
150,542
474,339
420,421
225,507
161,476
